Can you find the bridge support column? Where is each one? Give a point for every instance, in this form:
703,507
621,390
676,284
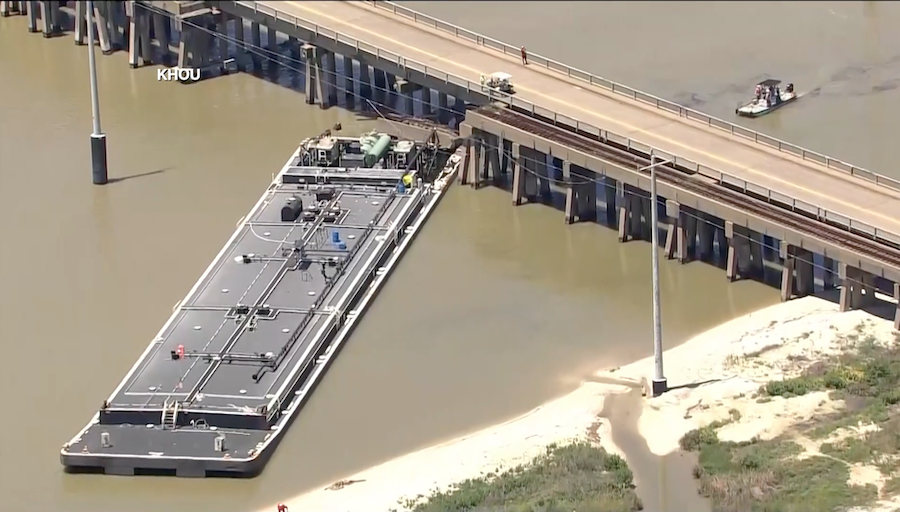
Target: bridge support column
380,92
117,21
138,37
392,98
160,30
101,22
365,82
313,89
645,219
347,69
673,221
32,15
50,18
239,42
851,287
571,194
610,195
757,263
585,194
256,42
405,92
687,238
80,21
797,272
829,274
739,263
443,108
427,108
868,289
476,162
327,75
10,7
187,43
706,232
518,186
466,132
630,213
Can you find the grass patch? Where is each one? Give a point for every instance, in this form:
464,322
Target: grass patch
576,477
767,476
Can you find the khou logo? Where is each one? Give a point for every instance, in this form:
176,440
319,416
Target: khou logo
178,74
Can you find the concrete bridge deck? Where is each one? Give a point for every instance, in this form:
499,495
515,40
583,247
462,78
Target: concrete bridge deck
874,201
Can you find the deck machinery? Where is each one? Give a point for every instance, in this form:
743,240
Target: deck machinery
216,388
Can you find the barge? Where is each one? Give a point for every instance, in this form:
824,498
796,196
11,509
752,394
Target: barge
216,389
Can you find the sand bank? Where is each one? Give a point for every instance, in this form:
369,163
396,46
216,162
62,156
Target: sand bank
725,366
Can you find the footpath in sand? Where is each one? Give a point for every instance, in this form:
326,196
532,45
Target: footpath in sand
724,366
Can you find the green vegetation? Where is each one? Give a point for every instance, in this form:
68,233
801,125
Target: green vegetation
768,476
578,477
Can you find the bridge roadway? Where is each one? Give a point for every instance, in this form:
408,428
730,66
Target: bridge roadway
811,182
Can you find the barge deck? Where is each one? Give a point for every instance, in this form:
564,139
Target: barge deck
215,390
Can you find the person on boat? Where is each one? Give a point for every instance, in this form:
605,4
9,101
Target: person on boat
777,94
759,92
789,89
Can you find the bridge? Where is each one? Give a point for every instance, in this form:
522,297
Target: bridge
869,200
391,47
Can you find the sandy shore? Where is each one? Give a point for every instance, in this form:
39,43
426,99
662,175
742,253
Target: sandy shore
729,363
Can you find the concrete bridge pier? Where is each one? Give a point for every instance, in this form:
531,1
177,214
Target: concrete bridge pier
742,261
851,287
427,103
689,223
609,191
380,94
80,22
139,49
328,74
162,31
541,178
239,48
581,194
349,90
32,12
706,235
406,102
829,274
488,165
273,60
365,82
631,213
256,42
10,7
518,184
116,19
102,26
51,20
313,90
443,107
797,278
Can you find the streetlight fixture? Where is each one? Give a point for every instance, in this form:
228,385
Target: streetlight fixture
660,385
98,139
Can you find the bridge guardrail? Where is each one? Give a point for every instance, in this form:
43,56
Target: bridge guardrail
720,177
643,97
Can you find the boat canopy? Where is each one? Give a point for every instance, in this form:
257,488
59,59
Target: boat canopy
771,82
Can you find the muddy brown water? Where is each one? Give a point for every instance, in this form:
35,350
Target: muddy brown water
664,483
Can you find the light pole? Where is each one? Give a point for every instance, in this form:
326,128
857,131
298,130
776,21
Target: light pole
660,385
98,139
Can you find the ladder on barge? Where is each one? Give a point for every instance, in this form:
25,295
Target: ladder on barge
169,414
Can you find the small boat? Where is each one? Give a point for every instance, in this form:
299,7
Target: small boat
769,97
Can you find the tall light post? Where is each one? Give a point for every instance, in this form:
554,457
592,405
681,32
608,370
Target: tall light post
98,139
660,385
